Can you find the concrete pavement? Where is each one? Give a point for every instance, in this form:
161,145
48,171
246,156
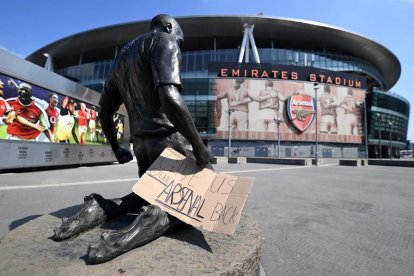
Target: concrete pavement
332,220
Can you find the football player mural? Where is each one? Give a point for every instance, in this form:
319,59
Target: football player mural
268,102
32,113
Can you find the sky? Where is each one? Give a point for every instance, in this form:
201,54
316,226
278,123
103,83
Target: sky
28,25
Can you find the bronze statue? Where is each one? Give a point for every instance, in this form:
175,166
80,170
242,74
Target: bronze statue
146,78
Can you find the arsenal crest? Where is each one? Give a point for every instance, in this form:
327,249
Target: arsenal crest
301,110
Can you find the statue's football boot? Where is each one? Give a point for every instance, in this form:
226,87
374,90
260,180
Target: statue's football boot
92,213
150,224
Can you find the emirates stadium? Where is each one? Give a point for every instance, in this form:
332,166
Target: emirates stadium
256,86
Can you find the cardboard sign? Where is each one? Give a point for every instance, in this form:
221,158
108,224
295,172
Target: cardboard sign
203,198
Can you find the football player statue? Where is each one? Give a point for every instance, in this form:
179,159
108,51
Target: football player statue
146,78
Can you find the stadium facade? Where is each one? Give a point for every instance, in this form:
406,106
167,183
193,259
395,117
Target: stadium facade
283,87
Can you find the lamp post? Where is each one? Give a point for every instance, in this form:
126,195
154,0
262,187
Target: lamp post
316,87
365,128
278,121
229,130
379,135
390,124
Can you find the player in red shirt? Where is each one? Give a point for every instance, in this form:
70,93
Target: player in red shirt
328,105
31,118
7,115
352,109
53,111
83,117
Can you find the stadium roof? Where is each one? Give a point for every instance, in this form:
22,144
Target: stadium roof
227,30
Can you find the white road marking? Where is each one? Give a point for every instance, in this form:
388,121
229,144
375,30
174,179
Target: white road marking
67,184
94,182
279,168
264,170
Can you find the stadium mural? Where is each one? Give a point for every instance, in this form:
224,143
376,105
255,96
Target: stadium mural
258,105
32,113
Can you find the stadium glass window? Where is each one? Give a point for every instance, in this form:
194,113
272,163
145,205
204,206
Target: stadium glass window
184,63
190,62
207,57
198,62
281,56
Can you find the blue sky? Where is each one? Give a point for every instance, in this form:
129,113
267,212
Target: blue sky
27,25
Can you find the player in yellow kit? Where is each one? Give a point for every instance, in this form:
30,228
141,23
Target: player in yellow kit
66,123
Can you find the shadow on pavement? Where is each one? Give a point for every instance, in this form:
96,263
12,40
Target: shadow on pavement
186,234
20,222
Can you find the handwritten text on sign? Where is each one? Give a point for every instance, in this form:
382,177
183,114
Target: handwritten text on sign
202,198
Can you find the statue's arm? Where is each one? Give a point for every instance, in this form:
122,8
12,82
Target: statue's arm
178,114
109,103
165,66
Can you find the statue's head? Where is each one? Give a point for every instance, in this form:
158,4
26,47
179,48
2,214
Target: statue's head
167,24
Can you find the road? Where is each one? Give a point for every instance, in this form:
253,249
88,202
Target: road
332,220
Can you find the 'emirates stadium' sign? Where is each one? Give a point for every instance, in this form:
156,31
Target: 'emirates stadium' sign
286,72
301,110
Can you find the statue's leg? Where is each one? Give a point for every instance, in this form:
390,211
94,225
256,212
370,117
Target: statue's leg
95,211
150,224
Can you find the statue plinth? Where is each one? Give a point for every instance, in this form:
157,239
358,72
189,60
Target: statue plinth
27,251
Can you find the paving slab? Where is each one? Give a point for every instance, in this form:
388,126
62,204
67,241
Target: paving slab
28,251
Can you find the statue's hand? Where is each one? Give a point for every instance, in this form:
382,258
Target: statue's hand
123,155
203,157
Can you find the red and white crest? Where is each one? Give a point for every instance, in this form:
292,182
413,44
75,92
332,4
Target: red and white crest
301,110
